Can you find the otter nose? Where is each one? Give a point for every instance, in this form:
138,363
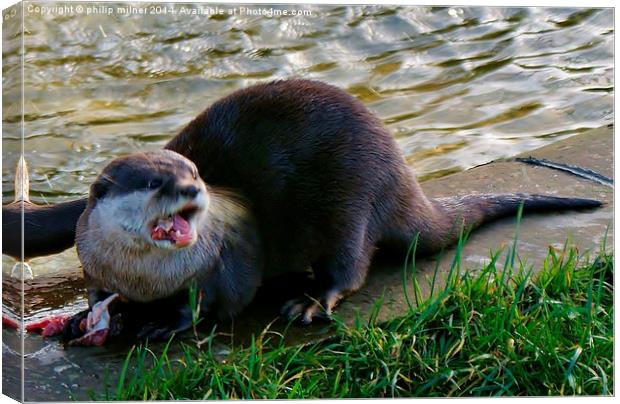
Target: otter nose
189,191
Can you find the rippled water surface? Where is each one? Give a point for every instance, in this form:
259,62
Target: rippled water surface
456,86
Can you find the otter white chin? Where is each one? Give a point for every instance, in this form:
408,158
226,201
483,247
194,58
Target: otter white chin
324,178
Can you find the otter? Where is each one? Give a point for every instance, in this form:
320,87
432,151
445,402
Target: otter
327,183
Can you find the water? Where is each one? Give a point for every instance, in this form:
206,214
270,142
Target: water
457,86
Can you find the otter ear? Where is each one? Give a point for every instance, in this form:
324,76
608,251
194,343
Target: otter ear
98,189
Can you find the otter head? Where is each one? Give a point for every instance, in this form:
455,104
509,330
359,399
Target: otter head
154,199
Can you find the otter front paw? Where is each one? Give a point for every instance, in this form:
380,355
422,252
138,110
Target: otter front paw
155,332
309,309
74,327
162,331
91,327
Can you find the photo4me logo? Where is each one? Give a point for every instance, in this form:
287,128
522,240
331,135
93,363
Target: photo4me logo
165,8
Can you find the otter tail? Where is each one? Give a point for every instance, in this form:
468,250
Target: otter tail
470,211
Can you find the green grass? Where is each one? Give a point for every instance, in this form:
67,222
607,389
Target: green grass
497,331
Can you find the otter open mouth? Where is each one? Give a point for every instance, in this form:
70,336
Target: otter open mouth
175,228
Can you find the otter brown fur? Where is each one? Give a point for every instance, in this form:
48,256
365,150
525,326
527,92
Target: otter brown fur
328,184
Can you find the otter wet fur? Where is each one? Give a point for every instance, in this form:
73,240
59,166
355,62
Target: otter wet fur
327,184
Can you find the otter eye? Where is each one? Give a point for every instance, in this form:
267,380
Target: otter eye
154,183
99,189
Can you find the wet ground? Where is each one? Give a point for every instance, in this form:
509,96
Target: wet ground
458,87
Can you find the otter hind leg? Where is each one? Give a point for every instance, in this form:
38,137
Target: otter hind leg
309,308
336,276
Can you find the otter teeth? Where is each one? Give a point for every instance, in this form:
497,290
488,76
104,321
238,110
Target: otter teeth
165,223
